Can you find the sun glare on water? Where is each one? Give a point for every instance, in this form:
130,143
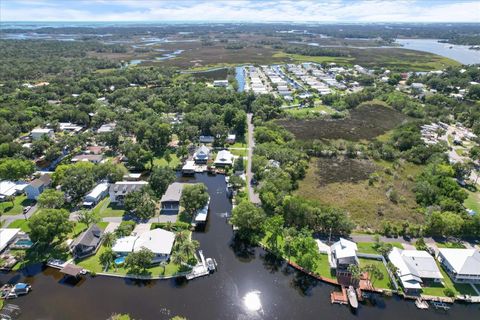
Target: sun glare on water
252,301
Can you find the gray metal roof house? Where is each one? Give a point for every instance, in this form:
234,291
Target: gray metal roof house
87,242
171,199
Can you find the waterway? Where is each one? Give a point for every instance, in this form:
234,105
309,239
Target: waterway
240,77
249,284
459,53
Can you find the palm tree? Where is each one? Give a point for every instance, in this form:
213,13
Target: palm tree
178,258
189,248
109,239
355,272
181,238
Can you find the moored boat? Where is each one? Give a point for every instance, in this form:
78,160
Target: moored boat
352,297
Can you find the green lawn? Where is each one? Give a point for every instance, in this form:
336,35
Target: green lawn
9,209
383,283
238,152
367,247
323,267
309,112
22,224
92,263
450,245
438,288
239,144
473,201
161,162
106,209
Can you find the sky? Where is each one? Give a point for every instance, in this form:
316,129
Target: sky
246,10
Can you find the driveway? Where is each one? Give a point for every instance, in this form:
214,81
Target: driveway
7,220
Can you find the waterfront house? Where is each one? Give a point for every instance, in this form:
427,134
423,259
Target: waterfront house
7,237
37,186
462,265
224,158
159,241
189,168
39,133
201,155
87,243
120,189
170,201
415,268
343,254
98,193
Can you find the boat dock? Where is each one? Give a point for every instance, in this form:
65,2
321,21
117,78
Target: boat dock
200,270
347,296
339,297
440,305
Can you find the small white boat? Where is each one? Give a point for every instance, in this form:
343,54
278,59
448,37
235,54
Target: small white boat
421,304
211,265
352,297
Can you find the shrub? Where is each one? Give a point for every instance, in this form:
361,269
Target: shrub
449,292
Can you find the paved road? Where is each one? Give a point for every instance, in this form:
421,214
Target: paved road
6,220
252,195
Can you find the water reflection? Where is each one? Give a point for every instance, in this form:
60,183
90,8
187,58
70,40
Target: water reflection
252,301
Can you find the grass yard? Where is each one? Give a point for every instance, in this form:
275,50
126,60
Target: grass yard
450,245
323,267
93,264
302,113
368,247
438,288
383,283
106,209
22,224
473,201
9,209
161,162
239,144
239,152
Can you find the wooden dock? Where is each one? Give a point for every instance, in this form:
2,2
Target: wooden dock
339,297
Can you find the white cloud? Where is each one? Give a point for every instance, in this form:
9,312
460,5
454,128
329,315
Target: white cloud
326,11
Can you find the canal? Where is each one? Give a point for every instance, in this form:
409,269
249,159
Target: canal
249,284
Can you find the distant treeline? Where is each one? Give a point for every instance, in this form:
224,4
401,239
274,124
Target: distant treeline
315,51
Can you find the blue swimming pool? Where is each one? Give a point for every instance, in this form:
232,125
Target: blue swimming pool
120,261
24,243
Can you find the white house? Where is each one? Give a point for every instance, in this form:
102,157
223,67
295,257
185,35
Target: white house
10,188
159,241
220,83
106,128
463,265
7,237
201,155
98,193
39,133
189,168
37,186
231,138
120,189
343,254
224,158
415,268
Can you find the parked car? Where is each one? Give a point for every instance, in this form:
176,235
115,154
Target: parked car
26,209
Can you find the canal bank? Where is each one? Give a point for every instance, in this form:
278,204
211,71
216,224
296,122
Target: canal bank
249,284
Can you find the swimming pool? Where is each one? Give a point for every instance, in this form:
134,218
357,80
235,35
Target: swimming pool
120,261
24,243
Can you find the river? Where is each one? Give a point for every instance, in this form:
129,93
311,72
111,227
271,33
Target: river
249,284
459,53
